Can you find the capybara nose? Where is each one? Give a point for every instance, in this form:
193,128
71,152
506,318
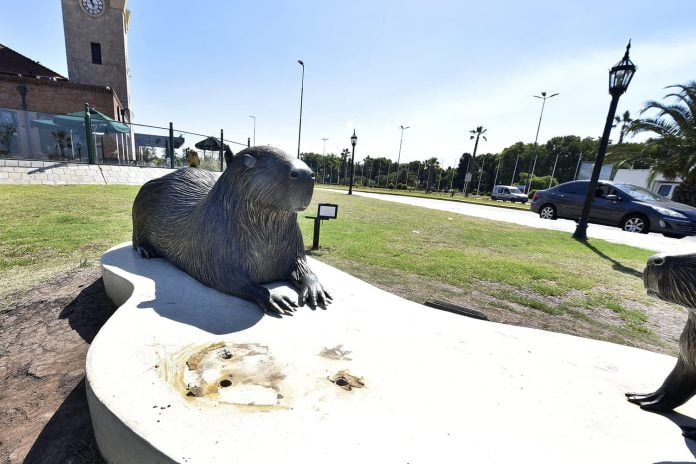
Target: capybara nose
656,260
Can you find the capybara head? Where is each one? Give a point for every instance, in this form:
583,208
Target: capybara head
672,278
270,177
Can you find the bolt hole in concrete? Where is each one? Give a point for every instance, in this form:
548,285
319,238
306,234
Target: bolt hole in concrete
225,383
346,380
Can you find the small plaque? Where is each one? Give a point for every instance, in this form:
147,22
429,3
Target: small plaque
327,211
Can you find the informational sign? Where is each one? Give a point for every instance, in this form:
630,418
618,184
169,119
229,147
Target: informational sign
328,211
468,177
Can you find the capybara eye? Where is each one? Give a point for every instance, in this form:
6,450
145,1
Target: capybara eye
294,173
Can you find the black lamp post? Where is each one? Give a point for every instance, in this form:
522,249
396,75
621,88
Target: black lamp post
299,132
353,141
619,78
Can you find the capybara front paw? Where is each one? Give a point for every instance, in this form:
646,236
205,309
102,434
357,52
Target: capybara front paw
314,294
278,304
657,401
146,251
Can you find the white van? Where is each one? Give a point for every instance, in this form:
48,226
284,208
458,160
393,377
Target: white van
508,193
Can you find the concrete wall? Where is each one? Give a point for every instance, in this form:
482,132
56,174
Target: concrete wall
51,173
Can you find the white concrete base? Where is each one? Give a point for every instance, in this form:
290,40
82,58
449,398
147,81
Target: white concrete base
438,387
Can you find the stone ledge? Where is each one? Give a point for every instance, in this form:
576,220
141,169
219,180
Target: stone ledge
438,387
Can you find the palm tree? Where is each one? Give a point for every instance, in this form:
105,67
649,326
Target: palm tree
625,121
475,134
431,164
673,151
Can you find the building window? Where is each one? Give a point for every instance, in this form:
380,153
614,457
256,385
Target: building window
96,53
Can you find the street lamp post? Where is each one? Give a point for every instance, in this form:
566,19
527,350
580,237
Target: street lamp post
254,118
543,103
299,133
398,160
353,141
323,158
497,170
619,77
553,172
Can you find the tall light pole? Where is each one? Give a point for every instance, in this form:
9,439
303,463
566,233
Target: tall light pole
543,103
497,170
323,157
299,133
353,141
577,168
254,118
398,160
553,172
619,77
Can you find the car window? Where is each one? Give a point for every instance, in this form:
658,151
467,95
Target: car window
515,190
573,188
506,191
664,190
639,193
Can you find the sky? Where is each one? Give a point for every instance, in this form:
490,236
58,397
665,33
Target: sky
441,67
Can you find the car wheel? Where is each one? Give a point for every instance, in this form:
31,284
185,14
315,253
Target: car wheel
636,223
667,234
547,212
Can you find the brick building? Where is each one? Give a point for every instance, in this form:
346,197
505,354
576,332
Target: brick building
31,94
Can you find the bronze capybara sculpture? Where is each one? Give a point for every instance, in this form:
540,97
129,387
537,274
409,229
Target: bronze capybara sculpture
235,232
673,278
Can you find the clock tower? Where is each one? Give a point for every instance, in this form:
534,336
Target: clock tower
96,45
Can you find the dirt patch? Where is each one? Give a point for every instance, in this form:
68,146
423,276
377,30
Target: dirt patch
44,337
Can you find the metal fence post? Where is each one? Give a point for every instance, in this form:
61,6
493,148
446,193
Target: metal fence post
88,134
248,142
222,149
171,144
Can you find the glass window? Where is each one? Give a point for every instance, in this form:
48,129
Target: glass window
514,190
664,190
96,53
574,188
639,193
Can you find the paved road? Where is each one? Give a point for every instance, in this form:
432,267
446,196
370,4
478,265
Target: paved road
654,242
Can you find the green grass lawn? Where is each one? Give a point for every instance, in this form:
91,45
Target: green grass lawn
515,274
480,200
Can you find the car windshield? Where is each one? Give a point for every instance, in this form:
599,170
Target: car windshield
514,190
640,194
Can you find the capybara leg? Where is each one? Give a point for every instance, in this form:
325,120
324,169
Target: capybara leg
678,387
680,384
147,251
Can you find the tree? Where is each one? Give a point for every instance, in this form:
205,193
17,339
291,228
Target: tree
345,153
432,164
625,121
475,134
674,149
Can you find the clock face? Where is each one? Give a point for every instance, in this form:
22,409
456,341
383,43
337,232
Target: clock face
93,7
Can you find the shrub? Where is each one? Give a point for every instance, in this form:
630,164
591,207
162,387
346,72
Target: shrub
390,186
401,186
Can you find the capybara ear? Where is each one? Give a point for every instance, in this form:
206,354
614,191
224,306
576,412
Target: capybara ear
249,161
228,155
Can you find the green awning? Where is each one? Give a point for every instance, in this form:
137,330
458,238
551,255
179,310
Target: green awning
100,121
